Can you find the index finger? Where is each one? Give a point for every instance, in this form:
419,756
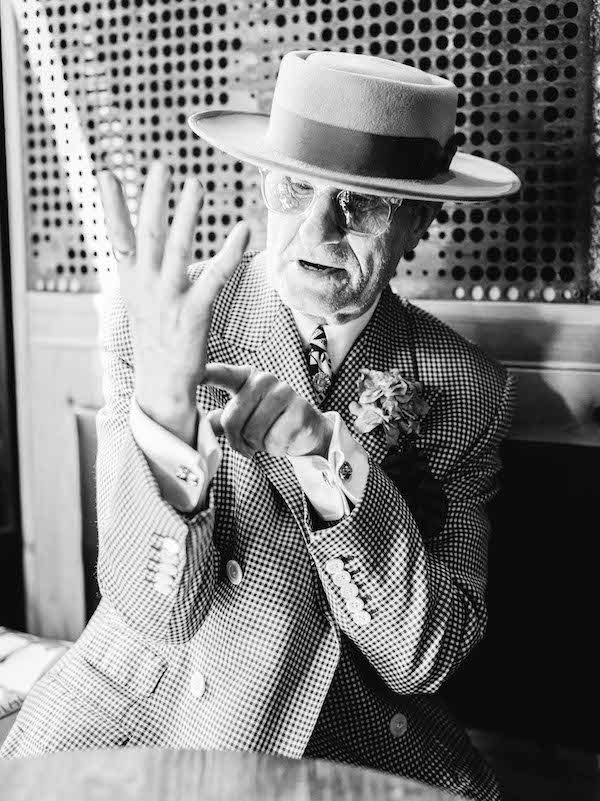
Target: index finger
229,377
118,220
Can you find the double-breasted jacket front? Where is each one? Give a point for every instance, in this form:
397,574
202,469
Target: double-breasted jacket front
274,661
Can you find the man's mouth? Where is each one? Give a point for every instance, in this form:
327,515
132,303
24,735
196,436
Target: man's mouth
313,265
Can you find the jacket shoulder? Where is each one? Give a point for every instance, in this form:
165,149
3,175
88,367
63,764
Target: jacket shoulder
475,391
465,364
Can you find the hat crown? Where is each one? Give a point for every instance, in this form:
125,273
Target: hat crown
370,65
364,93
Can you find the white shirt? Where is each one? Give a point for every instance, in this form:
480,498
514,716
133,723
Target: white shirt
184,473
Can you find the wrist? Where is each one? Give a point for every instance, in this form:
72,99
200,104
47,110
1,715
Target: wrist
322,448
178,415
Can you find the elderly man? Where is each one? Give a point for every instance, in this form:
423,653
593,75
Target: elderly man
294,463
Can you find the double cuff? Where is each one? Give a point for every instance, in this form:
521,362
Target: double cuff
333,484
183,473
337,483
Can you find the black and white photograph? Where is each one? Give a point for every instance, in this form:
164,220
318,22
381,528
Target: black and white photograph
299,400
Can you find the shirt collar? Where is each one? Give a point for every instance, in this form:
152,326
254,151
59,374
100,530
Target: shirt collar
340,337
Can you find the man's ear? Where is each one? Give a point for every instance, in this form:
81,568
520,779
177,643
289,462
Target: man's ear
424,213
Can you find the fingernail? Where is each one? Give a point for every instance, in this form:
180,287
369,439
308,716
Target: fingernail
160,168
192,183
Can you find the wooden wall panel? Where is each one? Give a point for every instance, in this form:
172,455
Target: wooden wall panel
64,374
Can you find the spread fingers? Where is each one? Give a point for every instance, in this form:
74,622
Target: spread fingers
152,220
180,240
118,221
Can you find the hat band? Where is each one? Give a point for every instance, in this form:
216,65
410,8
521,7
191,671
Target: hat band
337,149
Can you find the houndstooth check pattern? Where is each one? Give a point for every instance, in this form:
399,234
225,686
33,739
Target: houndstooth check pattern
286,668
319,364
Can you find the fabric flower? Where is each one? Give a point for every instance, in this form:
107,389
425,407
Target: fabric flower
390,400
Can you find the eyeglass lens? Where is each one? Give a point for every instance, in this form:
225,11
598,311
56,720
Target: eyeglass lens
365,214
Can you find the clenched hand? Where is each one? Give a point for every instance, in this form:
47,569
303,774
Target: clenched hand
265,414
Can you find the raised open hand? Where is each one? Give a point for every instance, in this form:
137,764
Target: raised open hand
170,314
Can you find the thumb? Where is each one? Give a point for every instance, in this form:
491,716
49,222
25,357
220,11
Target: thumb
214,419
229,377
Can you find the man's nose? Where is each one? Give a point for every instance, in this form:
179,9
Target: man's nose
320,226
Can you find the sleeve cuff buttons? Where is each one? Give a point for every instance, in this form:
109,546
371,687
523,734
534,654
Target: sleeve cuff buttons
166,569
348,590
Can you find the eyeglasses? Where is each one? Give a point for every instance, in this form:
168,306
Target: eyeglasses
365,215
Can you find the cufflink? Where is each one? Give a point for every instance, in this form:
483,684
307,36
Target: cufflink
185,474
345,471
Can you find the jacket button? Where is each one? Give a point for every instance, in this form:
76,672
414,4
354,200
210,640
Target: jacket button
234,572
170,545
355,604
164,569
341,578
334,565
398,725
197,684
349,590
362,618
167,558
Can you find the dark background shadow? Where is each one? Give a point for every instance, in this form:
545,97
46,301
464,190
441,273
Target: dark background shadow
535,673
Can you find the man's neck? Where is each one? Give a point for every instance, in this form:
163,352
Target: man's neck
340,335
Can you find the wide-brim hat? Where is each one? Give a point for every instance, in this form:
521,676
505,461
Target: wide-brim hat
362,123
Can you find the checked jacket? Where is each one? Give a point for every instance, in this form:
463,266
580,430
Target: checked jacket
284,667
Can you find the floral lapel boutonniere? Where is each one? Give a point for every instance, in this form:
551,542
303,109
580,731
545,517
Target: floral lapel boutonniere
390,400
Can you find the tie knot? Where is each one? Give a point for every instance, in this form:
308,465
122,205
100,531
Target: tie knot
318,338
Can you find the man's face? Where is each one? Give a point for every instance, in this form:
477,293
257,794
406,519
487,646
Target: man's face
335,275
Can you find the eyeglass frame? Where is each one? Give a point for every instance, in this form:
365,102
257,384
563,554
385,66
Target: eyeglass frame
393,203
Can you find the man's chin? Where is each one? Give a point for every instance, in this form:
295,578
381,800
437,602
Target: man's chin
308,287
315,288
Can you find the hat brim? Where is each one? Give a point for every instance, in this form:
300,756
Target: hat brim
242,134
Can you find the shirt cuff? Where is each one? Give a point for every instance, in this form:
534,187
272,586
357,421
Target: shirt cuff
332,484
183,474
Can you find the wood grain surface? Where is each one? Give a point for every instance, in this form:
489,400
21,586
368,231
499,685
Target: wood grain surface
169,775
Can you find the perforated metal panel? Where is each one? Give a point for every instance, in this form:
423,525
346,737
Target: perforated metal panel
112,83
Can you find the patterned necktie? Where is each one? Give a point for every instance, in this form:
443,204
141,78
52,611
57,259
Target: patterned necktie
319,363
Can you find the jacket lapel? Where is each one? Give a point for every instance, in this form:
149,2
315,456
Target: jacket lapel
385,343
281,354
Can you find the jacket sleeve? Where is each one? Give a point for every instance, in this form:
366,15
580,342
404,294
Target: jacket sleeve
156,566
423,599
